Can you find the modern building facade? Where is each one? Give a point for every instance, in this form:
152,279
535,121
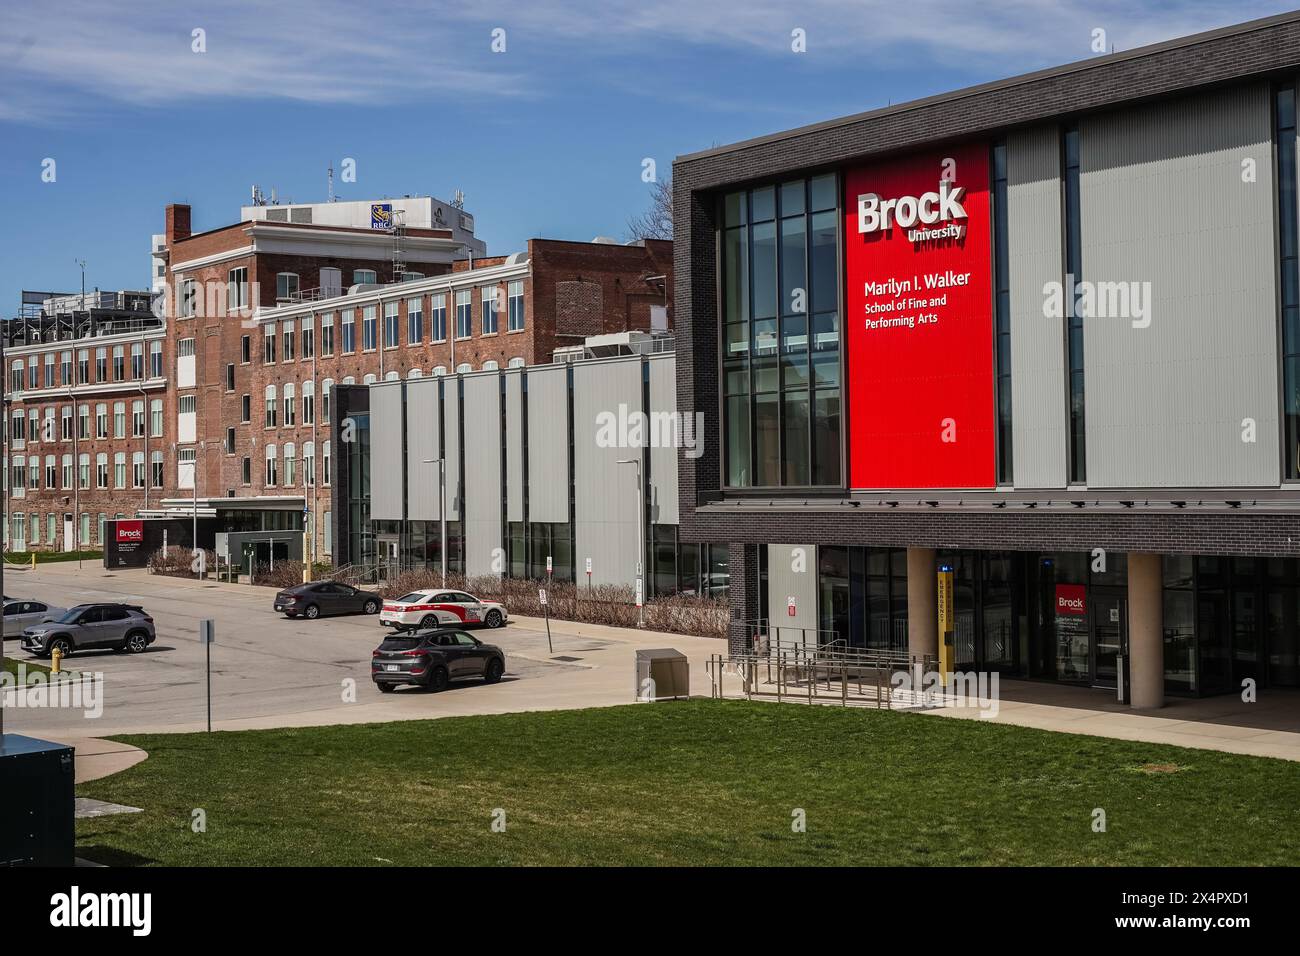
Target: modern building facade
574,462
1041,333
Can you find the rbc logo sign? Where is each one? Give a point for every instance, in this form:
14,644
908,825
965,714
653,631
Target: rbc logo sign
381,215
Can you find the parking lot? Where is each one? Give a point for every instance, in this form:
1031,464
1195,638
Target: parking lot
269,671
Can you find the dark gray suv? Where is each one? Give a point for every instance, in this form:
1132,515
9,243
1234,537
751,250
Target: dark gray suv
433,658
121,627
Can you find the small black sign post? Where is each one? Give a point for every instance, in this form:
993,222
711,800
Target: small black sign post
207,637
546,609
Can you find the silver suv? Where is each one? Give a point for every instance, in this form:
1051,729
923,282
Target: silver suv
122,627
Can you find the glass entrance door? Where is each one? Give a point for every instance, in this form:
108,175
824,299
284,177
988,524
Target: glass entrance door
1107,636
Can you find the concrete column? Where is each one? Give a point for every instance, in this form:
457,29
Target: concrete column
1146,631
922,604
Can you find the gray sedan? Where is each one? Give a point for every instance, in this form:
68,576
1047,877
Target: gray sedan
20,614
121,627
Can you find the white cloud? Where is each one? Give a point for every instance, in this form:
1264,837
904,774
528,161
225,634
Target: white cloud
60,59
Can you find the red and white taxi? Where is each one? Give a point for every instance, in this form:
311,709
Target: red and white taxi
440,608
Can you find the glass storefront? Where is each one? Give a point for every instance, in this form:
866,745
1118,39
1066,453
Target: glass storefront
1062,616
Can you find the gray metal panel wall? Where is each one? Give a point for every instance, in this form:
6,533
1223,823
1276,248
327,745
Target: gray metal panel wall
664,425
514,446
605,499
423,426
548,446
1034,256
386,451
483,473
784,581
1163,202
451,446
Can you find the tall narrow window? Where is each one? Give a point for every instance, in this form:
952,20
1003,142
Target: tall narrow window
1289,253
1074,324
1001,312
488,299
391,324
414,321
515,305
438,316
464,320
781,334
369,331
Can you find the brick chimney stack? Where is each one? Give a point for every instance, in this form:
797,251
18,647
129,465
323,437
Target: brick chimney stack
178,222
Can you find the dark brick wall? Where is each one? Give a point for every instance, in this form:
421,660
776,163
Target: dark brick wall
1262,48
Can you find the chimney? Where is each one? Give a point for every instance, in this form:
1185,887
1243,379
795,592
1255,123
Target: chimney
178,222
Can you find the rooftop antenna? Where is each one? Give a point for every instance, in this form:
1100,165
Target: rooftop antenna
458,199
330,174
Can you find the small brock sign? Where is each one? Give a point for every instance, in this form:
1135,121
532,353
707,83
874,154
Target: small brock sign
1071,600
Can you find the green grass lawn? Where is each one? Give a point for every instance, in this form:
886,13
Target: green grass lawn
10,665
696,782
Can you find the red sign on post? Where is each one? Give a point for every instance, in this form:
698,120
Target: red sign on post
130,532
919,321
789,607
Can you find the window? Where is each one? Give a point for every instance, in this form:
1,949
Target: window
230,377
155,359
515,305
83,422
246,409
18,475
390,325
51,471
137,360
308,336
49,370
119,363
369,320
309,464
286,286
19,429
156,417
16,376
230,440
185,348
137,418
268,344
119,469
83,367
309,403
287,327
65,423
364,277
414,321
101,362
156,469
290,405
101,470
245,349
34,472
137,469
33,373
272,474
237,289
33,425
101,420
290,476
1289,253
65,369
186,466
780,334
1001,313
66,463
187,404
327,334
463,306
348,330
83,471
186,295
326,387
119,419
488,299
246,471
270,407
325,463
85,528
438,316
1077,451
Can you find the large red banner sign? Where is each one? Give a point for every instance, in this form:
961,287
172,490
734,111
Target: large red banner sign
919,322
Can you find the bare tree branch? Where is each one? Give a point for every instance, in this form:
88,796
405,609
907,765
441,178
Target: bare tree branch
657,221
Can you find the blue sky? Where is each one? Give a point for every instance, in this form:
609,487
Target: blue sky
546,138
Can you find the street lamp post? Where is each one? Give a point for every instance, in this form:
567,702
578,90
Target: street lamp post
640,541
442,511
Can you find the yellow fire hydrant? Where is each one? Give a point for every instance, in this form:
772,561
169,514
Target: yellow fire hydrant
55,657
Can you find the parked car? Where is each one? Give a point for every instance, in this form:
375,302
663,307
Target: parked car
318,598
439,607
20,614
122,627
433,658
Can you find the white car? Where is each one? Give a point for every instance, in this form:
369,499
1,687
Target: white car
20,614
440,608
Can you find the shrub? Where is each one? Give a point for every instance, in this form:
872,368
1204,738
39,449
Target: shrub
178,562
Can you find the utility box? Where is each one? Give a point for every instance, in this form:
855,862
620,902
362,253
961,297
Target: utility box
662,673
37,802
